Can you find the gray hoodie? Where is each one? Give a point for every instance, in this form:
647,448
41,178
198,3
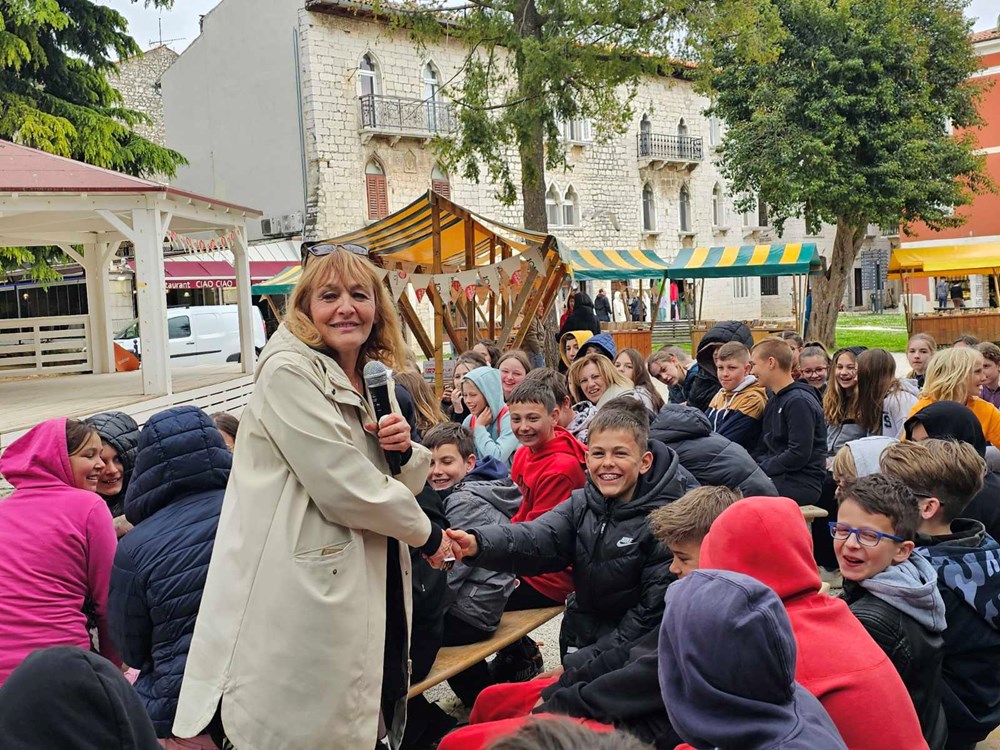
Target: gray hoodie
483,498
867,452
911,587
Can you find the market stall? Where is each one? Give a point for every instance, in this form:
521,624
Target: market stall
943,261
623,266
481,276
697,264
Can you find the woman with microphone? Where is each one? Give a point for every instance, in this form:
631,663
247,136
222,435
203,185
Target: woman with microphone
302,639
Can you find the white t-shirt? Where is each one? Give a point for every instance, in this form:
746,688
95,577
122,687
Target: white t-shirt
896,410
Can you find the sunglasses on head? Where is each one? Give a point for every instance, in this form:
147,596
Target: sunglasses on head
319,249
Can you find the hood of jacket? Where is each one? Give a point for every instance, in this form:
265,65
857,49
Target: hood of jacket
500,492
797,389
325,366
180,453
745,536
487,380
867,452
966,563
912,588
487,470
650,487
581,338
675,422
602,343
753,686
121,432
949,420
716,336
582,301
614,391
39,458
562,443
67,697
747,382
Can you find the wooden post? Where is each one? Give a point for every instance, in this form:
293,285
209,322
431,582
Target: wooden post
701,304
472,327
493,294
795,301
656,307
438,313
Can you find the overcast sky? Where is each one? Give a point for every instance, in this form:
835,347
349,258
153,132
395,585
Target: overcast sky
181,23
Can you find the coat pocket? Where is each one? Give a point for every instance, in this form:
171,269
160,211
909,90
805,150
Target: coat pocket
326,554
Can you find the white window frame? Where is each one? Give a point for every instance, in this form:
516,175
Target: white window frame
685,217
578,131
571,201
553,206
649,223
375,75
718,206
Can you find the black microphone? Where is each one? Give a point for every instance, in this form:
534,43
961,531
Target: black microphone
376,377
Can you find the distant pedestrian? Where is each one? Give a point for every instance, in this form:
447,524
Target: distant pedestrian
941,291
602,307
957,295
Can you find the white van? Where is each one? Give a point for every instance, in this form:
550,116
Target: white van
201,335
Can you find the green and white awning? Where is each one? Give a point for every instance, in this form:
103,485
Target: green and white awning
615,265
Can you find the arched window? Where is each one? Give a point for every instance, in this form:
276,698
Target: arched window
376,190
718,207
685,210
368,78
645,136
439,182
553,212
570,210
432,96
648,209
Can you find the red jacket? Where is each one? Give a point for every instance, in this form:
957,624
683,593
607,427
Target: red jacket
546,477
838,662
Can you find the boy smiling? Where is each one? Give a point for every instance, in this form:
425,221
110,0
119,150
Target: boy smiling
619,569
736,410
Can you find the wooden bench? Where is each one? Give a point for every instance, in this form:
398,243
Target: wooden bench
454,659
811,513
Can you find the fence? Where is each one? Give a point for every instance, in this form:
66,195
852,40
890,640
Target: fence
39,346
681,148
393,114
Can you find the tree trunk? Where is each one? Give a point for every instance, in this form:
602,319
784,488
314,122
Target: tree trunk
828,289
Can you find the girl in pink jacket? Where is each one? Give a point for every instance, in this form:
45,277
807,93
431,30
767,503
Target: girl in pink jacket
57,543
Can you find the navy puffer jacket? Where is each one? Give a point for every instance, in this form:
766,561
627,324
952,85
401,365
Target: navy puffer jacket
182,466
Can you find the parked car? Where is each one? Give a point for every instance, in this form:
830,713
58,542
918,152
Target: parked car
199,335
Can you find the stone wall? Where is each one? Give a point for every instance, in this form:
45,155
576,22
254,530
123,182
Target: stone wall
138,81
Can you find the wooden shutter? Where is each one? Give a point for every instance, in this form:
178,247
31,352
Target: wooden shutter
441,187
378,196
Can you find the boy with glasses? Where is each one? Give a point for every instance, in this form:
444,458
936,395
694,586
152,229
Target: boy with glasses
891,591
944,475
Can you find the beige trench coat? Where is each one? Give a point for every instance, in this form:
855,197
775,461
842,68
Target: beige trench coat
291,631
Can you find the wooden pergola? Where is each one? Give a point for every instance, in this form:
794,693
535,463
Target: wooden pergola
434,238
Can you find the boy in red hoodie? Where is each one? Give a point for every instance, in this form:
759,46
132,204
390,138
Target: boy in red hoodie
838,661
548,466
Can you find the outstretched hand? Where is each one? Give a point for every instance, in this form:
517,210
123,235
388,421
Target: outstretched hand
463,544
443,559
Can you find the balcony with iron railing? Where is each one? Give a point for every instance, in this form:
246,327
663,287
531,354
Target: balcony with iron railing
406,118
657,150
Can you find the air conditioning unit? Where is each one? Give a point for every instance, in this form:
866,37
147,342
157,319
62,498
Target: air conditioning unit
280,226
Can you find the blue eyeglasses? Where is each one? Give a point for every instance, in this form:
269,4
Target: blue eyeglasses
866,537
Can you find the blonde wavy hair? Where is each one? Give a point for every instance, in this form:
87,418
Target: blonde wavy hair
947,374
604,366
385,343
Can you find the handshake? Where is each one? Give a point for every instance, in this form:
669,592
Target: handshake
455,546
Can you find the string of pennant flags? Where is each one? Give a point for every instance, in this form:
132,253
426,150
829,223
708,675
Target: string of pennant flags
183,242
501,278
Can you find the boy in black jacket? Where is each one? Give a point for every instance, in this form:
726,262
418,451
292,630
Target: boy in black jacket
620,687
945,475
619,570
793,450
893,592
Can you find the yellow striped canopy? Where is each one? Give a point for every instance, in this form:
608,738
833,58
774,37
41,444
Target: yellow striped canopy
746,260
281,283
407,235
942,260
592,265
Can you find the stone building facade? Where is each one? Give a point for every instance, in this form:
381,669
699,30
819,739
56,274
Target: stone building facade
369,103
138,81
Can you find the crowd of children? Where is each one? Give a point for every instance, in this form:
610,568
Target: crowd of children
657,499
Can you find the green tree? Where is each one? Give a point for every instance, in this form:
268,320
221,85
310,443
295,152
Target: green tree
533,64
850,124
55,96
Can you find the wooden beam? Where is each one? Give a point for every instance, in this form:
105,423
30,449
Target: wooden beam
416,326
656,307
518,306
471,326
439,313
545,297
493,294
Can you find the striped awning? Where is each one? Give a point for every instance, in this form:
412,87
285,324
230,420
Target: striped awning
281,283
593,265
746,260
408,235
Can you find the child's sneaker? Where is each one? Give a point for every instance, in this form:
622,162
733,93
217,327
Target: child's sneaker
519,662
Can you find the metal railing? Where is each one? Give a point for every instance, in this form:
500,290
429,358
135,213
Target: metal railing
682,148
394,114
